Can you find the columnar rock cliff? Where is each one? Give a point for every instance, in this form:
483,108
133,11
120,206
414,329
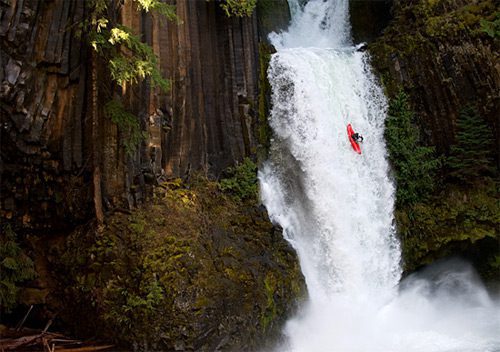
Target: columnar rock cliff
212,61
439,53
61,154
45,131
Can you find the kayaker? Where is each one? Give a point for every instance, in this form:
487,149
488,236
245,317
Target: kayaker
357,137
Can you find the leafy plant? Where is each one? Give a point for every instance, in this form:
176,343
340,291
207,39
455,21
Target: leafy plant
415,165
472,154
492,28
238,8
129,59
127,124
243,181
15,267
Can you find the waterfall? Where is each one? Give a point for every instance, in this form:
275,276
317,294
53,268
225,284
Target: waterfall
336,206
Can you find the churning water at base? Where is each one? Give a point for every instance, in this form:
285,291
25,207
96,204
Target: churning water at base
336,207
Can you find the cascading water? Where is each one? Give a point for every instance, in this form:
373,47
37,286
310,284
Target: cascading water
336,207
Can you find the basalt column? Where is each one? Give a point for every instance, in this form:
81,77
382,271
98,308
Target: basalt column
209,112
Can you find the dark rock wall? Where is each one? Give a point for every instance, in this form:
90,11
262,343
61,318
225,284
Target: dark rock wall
44,132
210,110
439,55
58,147
369,18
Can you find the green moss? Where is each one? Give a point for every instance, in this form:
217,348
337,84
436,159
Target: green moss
436,228
269,315
211,260
419,28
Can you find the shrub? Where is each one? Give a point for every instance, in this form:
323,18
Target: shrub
492,28
15,267
243,181
238,8
472,154
415,166
127,123
129,59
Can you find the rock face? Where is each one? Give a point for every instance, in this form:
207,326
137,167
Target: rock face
440,56
61,153
44,134
368,19
212,61
195,270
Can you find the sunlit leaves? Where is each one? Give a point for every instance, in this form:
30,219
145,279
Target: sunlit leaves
130,60
165,10
118,35
238,8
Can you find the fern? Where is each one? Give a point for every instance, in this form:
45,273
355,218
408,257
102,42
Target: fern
15,268
127,123
130,60
492,28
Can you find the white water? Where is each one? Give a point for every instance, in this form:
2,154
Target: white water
336,207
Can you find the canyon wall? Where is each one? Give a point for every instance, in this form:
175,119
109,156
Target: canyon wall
438,53
61,154
441,56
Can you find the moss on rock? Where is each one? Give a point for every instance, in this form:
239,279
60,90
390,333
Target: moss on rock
194,270
457,222
438,52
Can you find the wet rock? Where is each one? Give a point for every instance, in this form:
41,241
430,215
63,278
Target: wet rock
216,274
12,71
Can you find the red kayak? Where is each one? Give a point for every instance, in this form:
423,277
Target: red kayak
354,144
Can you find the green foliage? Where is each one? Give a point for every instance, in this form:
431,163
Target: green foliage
449,223
492,28
15,267
472,154
126,307
269,315
130,60
165,10
238,8
191,258
243,181
415,166
467,18
127,123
